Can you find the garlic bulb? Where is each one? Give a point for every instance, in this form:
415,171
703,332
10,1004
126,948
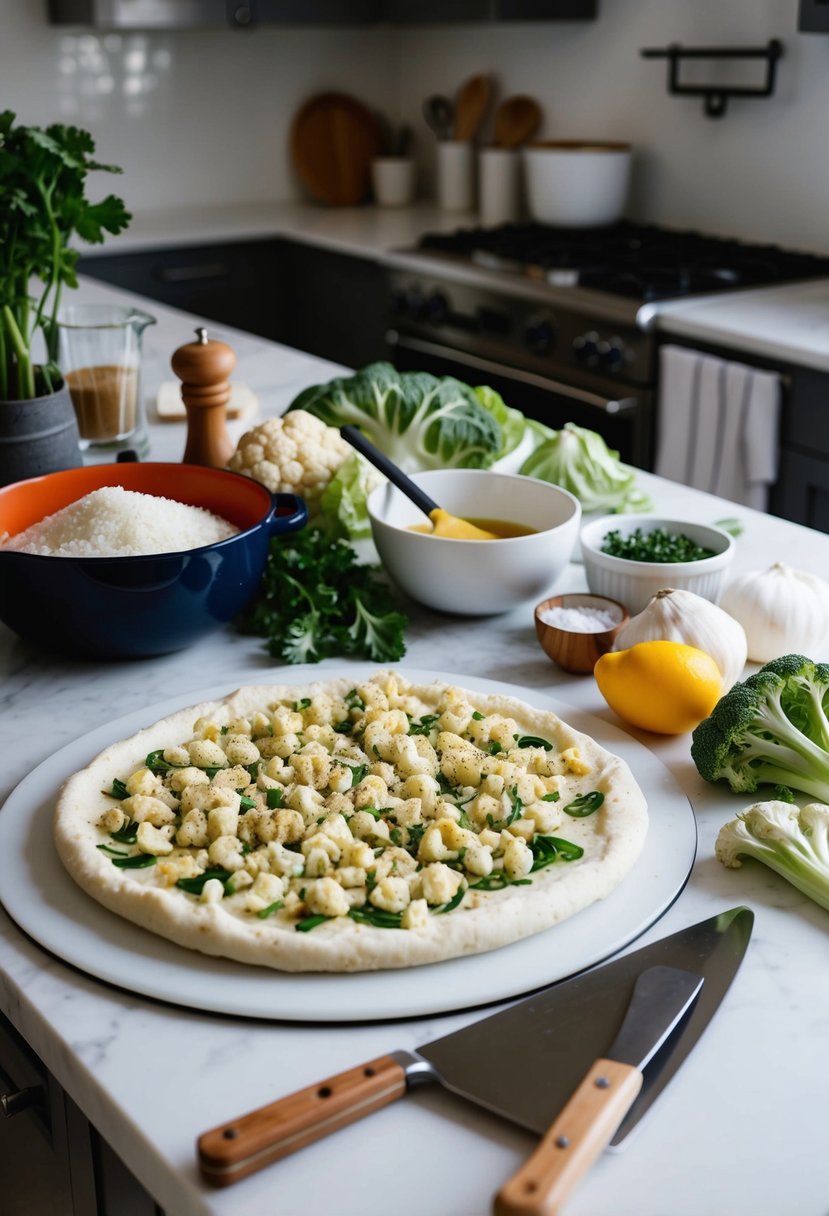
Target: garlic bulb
782,610
682,616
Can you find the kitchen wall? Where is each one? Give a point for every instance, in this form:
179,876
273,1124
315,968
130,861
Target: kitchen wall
761,171
195,118
200,118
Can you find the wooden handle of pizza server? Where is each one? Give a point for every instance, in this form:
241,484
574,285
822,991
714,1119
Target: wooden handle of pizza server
582,1130
234,1150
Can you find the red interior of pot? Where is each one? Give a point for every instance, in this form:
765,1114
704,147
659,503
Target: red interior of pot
239,500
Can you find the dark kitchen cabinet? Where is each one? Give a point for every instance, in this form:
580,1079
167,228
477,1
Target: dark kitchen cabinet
802,490
333,305
422,12
51,1158
247,14
544,10
240,14
813,17
328,303
235,283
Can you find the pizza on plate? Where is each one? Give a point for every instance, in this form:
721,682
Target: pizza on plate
349,827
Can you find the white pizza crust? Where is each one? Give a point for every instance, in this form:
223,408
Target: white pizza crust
612,839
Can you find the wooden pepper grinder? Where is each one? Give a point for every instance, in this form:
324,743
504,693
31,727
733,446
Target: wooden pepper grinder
203,367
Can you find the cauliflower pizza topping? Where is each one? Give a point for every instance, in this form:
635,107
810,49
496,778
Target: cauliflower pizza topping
374,806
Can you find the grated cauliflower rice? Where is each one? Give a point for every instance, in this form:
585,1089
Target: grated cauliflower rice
114,522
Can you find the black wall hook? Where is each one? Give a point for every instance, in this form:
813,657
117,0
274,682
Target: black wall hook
716,96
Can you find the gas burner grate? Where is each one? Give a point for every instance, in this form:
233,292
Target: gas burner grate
644,262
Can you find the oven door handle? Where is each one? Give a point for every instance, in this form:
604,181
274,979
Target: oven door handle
608,405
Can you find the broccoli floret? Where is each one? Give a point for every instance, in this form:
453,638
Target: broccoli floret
794,843
770,729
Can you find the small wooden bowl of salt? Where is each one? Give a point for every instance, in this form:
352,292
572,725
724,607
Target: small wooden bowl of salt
576,630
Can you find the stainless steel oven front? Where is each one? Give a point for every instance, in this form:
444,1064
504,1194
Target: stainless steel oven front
554,362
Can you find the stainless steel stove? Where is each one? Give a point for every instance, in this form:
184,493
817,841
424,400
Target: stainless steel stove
560,320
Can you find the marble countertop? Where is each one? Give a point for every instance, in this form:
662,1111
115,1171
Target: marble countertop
788,323
152,1076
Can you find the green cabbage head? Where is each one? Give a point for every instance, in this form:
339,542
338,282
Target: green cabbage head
420,421
580,461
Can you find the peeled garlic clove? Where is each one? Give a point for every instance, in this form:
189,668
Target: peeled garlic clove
782,610
681,616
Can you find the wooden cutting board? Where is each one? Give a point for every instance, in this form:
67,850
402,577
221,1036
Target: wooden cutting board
333,140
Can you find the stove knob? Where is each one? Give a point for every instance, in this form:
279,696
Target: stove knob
540,335
612,354
436,307
408,303
586,348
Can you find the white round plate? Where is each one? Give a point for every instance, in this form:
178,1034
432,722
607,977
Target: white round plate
40,896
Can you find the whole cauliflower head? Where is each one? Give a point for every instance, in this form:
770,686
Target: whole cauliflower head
294,454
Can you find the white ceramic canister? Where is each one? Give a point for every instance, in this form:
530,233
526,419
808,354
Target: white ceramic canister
393,180
499,186
455,175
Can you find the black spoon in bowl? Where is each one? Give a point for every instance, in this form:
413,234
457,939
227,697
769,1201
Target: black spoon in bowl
448,526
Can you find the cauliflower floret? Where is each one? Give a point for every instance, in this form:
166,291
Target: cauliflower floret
113,819
225,852
312,770
317,863
296,454
204,753
240,749
518,859
143,808
144,781
308,802
478,860
222,821
545,815
391,894
267,889
285,861
236,778
413,755
371,791
193,831
366,827
573,763
339,779
415,915
423,787
180,778
327,898
359,854
179,865
318,840
439,884
212,892
153,840
460,761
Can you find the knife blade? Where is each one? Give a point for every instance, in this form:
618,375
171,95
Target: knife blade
661,996
536,1051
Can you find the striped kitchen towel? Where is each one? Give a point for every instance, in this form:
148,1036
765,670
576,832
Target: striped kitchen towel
717,425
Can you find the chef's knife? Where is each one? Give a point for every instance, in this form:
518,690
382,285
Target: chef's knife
661,996
536,1054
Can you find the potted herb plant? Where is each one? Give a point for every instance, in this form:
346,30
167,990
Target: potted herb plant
43,206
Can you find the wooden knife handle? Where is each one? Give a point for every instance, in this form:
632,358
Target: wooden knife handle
234,1150
582,1130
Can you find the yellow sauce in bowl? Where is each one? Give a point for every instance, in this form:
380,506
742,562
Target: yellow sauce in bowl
503,528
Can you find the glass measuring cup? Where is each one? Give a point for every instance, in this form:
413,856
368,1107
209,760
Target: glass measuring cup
99,355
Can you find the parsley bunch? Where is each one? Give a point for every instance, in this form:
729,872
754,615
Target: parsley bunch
43,207
315,602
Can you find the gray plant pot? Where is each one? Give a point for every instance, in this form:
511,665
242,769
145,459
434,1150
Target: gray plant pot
38,436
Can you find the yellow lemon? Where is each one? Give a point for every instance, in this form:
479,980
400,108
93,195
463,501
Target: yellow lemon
665,687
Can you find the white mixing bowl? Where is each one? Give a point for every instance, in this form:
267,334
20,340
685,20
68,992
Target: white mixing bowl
476,577
577,184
